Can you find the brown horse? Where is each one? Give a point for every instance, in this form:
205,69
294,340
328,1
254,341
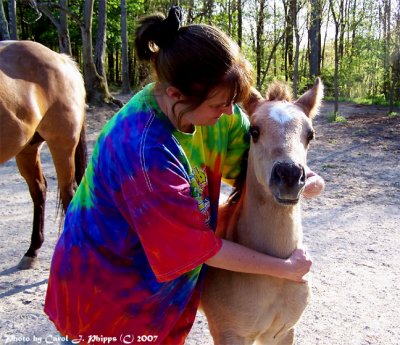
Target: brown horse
244,308
42,98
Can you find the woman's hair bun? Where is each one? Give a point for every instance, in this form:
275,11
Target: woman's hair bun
169,27
157,29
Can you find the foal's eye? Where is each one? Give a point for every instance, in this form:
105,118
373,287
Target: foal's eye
254,132
310,135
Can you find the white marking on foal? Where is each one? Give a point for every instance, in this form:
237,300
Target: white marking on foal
284,112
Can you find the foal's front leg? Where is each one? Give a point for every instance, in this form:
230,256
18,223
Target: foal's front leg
230,338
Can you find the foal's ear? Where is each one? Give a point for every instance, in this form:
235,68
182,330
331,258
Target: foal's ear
252,102
310,102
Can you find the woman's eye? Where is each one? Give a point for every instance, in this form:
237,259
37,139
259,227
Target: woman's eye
254,132
219,106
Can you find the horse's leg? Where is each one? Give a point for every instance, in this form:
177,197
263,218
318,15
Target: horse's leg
28,162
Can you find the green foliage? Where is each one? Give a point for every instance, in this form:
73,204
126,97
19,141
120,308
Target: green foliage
336,117
362,75
327,166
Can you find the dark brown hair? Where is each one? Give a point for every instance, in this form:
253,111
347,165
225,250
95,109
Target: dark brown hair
196,59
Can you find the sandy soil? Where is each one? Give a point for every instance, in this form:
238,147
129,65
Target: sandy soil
351,231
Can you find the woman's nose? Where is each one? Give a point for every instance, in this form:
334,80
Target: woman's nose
228,109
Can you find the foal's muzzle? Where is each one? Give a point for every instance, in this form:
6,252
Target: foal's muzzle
287,182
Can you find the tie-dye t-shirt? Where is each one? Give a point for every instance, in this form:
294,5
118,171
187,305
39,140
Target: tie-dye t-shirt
129,260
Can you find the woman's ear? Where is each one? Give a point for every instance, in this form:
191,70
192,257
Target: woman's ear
173,93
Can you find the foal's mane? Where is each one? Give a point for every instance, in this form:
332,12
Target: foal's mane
278,91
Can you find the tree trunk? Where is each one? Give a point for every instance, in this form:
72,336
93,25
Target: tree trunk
110,54
336,75
259,41
314,36
240,23
12,19
124,46
96,87
64,40
387,44
190,15
337,18
272,55
61,24
325,37
296,54
290,9
100,49
4,33
275,71
117,78
208,10
396,56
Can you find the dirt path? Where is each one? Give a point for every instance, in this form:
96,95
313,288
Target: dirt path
352,231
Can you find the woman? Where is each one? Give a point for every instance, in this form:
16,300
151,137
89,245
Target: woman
128,265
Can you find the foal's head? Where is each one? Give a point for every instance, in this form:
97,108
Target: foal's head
281,132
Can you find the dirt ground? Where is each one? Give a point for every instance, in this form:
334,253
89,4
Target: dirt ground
351,230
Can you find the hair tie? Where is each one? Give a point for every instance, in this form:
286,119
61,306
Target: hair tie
169,27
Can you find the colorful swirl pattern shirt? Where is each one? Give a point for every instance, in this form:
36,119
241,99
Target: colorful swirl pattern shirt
129,260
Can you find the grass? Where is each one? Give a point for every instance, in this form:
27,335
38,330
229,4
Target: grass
373,100
336,117
328,166
361,132
393,114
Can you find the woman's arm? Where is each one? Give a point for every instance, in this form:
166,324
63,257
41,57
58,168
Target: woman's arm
235,257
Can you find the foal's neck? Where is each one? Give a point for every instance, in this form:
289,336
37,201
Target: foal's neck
267,226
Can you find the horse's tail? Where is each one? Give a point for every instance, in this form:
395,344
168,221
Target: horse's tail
81,155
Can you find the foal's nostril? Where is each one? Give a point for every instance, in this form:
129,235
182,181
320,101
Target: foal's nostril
303,174
288,174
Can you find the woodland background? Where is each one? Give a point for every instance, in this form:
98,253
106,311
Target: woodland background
354,45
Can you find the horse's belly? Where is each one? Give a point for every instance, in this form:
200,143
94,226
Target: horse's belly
253,305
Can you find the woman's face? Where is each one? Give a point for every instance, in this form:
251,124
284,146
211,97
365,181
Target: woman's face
209,112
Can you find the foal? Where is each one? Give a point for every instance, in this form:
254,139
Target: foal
244,308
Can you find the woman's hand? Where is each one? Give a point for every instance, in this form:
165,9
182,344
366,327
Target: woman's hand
297,266
315,184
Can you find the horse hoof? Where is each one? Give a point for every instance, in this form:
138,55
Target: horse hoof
27,263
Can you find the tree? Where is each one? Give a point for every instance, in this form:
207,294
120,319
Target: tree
61,24
260,40
100,47
124,46
395,62
338,19
240,23
95,84
290,14
386,17
4,33
296,9
12,19
314,37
